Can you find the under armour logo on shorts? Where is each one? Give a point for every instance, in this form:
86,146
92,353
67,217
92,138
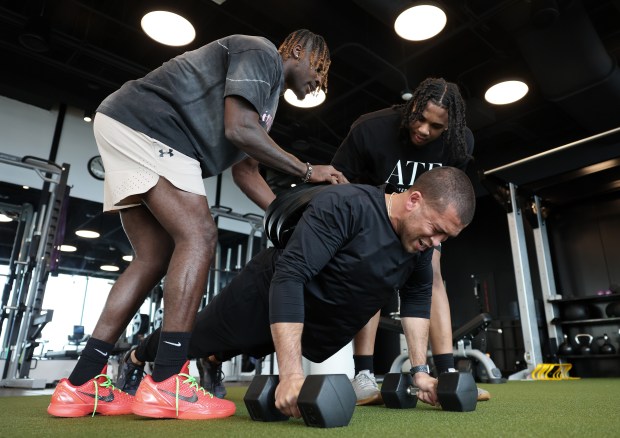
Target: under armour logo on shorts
161,153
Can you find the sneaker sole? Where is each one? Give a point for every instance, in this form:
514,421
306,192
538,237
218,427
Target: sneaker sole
375,399
74,411
151,411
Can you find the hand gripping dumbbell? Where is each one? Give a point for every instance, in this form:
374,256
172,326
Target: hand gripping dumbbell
324,400
455,391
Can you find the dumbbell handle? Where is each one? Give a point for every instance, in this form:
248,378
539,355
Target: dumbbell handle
412,391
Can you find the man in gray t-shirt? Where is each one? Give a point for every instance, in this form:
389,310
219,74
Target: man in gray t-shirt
193,117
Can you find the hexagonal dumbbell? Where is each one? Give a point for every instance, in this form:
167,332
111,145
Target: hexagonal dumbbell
260,399
324,400
398,391
455,391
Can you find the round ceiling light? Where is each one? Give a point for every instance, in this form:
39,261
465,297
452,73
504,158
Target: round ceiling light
128,258
311,100
420,22
168,28
87,234
109,268
5,218
68,248
506,92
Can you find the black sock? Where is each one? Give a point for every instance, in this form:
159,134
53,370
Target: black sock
363,363
443,362
171,354
146,351
93,358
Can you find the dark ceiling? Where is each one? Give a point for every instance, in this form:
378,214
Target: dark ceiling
566,50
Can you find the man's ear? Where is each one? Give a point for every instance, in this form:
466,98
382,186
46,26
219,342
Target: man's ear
414,199
296,51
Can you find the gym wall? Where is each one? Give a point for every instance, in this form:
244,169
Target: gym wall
586,244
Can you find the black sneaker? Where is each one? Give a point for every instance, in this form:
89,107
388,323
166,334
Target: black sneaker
211,377
130,375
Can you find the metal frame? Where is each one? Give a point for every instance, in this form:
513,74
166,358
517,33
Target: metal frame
256,224
525,293
547,278
25,316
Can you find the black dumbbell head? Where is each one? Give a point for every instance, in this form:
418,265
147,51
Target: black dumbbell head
260,399
327,400
398,392
457,392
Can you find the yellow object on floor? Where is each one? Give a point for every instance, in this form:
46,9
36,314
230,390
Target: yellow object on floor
552,371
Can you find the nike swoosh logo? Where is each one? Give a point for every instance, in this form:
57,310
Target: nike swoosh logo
101,352
192,399
174,344
107,398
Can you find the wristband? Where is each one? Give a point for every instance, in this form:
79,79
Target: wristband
306,178
420,369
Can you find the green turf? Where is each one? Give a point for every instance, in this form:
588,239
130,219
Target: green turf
585,408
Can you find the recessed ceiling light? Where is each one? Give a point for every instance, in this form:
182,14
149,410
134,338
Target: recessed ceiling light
168,28
128,258
311,100
420,22
4,218
68,248
87,234
109,268
506,92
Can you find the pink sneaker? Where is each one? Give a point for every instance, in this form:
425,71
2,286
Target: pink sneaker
97,396
180,397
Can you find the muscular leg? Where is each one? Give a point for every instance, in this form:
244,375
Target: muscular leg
153,247
174,231
187,219
364,341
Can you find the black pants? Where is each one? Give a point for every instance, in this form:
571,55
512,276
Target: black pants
236,321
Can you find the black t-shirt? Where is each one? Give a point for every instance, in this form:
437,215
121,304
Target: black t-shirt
342,264
374,152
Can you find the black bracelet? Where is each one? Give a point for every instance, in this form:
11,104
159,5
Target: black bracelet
420,369
306,178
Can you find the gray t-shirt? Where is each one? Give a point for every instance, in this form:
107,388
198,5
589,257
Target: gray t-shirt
181,103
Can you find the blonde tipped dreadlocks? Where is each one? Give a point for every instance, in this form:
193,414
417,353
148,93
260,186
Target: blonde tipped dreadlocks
445,95
315,44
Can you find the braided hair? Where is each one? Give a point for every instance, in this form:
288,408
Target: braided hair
313,44
445,95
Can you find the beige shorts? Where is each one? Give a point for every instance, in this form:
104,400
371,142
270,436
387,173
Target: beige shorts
133,163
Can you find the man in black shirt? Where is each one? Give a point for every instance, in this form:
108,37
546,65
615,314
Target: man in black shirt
353,248
396,145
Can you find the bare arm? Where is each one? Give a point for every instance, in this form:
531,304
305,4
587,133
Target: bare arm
287,340
242,128
247,177
441,322
416,334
